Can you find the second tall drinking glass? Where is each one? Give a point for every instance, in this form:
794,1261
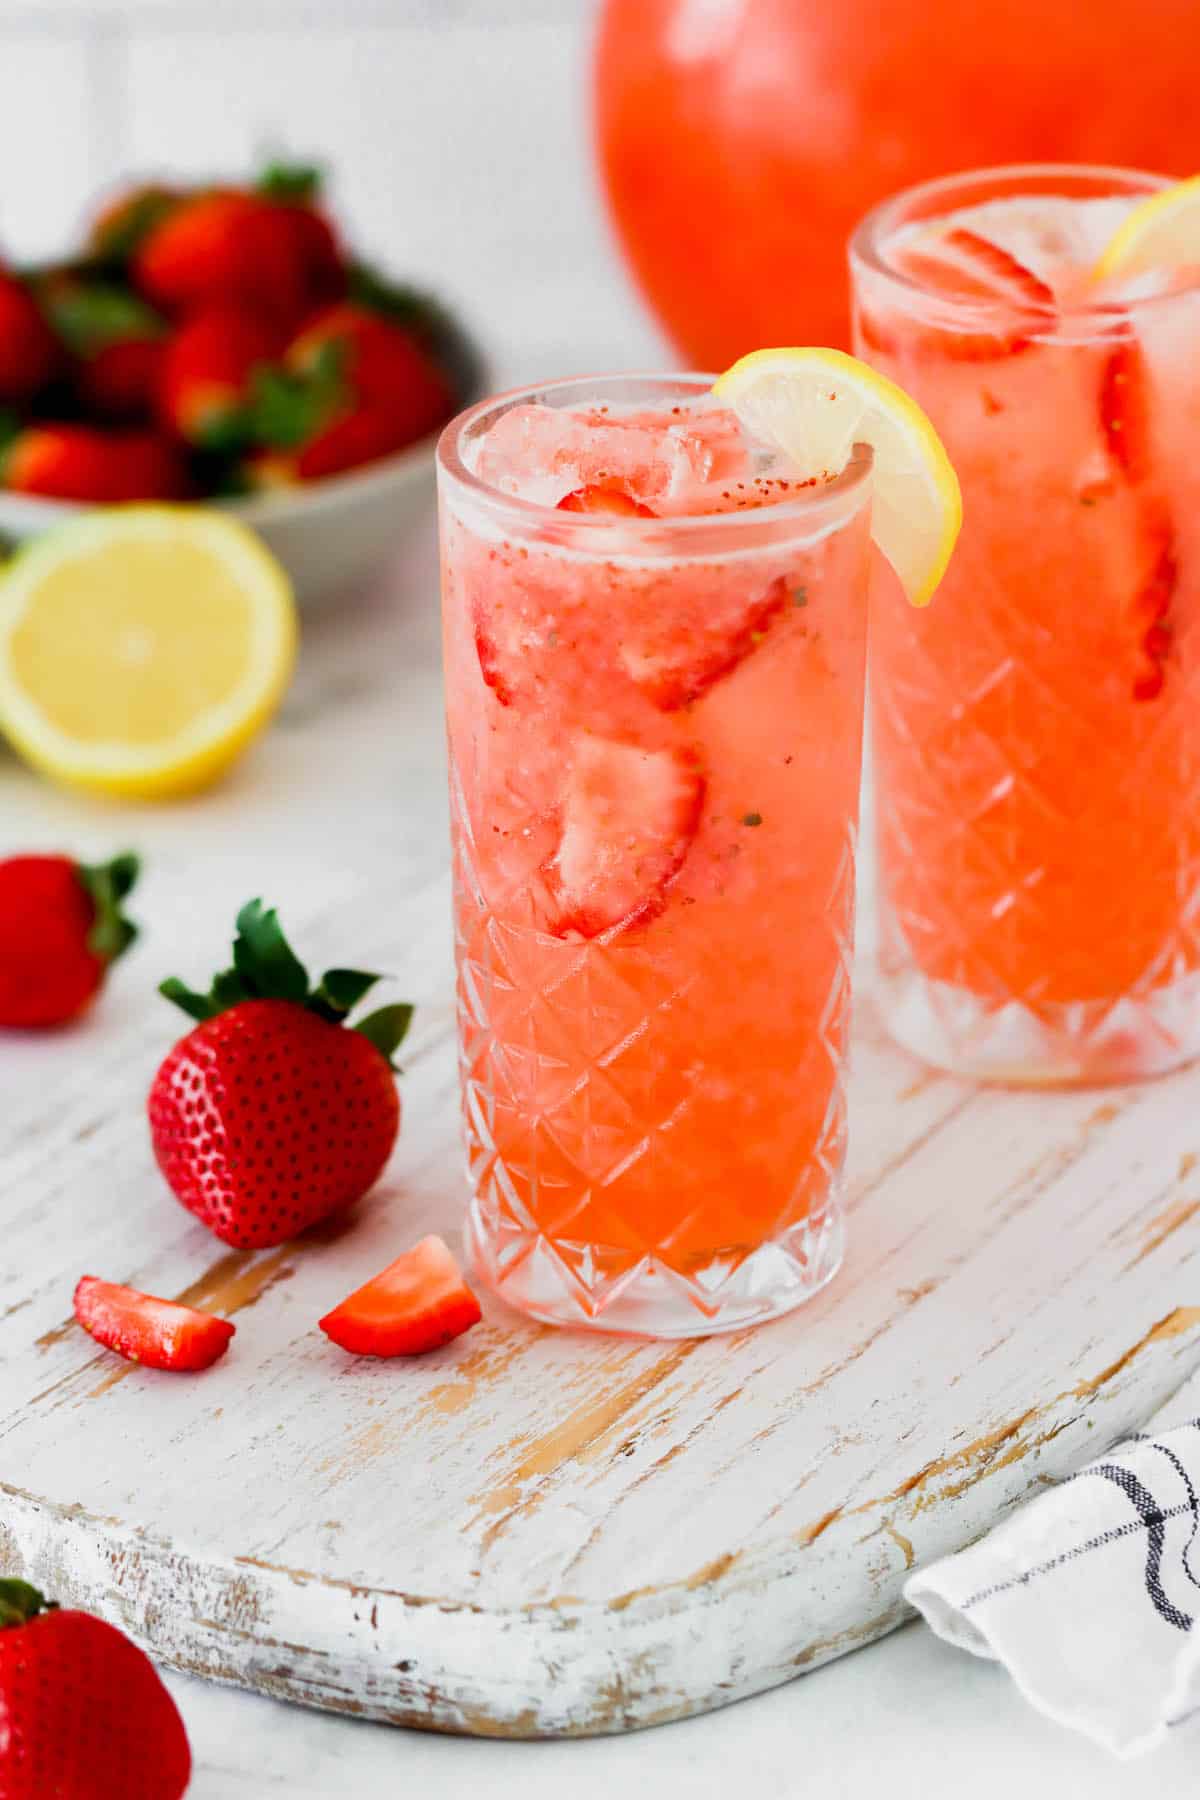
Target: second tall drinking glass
1037,730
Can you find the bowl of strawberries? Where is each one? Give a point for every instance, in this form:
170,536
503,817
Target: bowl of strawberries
220,344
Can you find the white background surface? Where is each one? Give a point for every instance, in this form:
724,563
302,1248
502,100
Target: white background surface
457,129
908,1717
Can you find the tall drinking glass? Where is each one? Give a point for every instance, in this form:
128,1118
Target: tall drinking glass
655,715
1037,730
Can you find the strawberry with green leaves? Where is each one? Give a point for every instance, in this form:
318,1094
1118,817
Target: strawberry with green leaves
208,374
296,190
269,249
83,1713
353,387
274,1112
61,929
223,248
116,343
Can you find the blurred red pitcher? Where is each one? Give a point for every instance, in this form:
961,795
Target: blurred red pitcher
740,140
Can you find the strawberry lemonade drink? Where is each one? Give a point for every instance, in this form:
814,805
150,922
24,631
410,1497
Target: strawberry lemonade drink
1037,732
654,635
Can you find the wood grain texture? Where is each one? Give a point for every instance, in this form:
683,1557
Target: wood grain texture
533,1532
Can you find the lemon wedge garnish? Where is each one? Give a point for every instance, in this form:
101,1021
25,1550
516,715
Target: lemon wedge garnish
142,647
815,405
1160,232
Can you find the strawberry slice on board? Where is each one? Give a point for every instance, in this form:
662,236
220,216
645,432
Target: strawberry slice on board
162,1334
614,501
629,816
418,1303
676,664
960,265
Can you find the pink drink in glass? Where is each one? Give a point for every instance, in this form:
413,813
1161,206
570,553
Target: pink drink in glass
654,719
1037,730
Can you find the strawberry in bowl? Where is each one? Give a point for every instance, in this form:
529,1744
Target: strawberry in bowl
220,343
63,929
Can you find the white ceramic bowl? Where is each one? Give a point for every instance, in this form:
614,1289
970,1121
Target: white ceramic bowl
328,535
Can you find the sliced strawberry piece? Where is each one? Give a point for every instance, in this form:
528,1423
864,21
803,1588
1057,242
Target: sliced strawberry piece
599,499
675,665
1125,410
961,265
418,1303
1125,422
967,266
491,664
508,646
160,1333
628,819
1152,608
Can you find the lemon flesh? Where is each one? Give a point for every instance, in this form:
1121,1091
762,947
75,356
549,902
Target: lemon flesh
141,648
1162,232
814,405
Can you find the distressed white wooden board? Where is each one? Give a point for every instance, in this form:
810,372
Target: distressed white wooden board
533,1532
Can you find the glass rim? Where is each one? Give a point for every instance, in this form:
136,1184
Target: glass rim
876,228
597,528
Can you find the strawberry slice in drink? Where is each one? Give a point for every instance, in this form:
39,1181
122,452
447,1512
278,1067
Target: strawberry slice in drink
1152,604
598,498
1125,424
507,644
628,819
1125,409
675,662
501,672
418,1303
963,266
162,1334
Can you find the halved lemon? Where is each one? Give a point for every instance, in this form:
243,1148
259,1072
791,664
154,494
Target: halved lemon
815,405
142,647
1161,232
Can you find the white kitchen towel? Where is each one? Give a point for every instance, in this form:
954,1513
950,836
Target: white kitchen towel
1090,1594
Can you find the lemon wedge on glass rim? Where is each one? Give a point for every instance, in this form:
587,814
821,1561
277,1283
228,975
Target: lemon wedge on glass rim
142,647
814,405
1160,232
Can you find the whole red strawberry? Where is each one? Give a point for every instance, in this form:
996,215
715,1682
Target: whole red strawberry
354,386
274,1113
61,926
207,371
28,352
116,343
83,1713
82,462
226,248
298,189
